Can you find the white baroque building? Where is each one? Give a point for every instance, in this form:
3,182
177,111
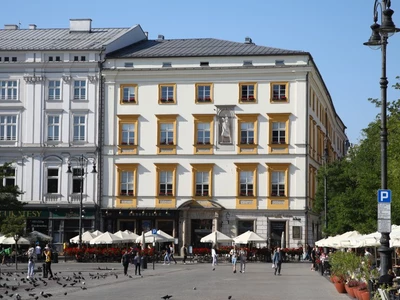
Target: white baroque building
205,134
49,119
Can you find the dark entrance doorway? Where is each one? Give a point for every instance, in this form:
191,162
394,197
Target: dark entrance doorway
277,227
200,228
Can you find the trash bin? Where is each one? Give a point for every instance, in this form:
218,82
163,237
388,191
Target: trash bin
54,258
143,262
44,271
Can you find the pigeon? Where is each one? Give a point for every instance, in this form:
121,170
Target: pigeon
194,288
166,297
65,294
229,297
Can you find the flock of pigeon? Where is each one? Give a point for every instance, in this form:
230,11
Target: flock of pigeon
17,286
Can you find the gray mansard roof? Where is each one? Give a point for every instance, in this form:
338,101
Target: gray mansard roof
57,39
195,48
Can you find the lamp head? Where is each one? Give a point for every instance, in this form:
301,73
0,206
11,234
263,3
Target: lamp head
375,40
94,171
69,171
388,26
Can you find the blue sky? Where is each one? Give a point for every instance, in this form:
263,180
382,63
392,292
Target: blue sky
333,31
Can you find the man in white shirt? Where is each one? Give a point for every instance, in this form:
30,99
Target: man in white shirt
31,253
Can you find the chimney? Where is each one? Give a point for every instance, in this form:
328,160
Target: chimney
80,25
32,26
146,33
10,26
160,37
248,40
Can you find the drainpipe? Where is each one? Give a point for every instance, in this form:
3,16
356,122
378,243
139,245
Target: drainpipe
307,161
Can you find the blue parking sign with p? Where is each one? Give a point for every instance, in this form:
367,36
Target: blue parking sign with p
384,196
154,231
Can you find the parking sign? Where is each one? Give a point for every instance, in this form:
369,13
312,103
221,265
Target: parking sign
384,196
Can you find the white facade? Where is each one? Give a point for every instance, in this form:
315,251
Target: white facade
224,207
49,120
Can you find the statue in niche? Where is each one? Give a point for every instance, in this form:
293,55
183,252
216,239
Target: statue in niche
225,131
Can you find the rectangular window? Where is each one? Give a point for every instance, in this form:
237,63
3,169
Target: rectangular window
58,58
76,58
278,133
204,93
128,134
83,58
203,134
77,180
53,128
128,94
14,59
79,128
167,93
246,183
247,133
247,92
79,89
279,91
165,183
202,183
8,128
8,178
52,180
167,134
278,184
126,183
8,90
54,90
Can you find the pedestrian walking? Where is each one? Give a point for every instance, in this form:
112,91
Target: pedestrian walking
126,260
136,261
184,253
48,255
167,255
31,254
214,257
171,254
233,253
277,260
313,258
243,258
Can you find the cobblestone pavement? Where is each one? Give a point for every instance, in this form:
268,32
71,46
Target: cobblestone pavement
182,281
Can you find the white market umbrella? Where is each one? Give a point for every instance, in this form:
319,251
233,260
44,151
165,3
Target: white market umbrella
353,240
107,238
97,233
170,238
10,241
215,237
86,237
336,242
321,242
150,238
247,237
127,235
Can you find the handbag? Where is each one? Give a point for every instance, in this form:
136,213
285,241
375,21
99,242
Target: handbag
273,266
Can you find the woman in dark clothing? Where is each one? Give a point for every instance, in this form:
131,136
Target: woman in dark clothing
126,259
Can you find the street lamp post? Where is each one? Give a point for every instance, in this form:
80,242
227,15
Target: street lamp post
16,238
82,163
379,39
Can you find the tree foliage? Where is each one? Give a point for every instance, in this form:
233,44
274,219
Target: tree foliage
353,182
8,193
14,225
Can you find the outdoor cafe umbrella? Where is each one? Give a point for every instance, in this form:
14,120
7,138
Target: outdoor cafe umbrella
10,241
97,233
107,238
36,235
86,237
215,237
148,237
247,237
127,235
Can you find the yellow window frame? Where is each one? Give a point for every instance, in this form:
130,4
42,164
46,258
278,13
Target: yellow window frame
278,202
247,148
121,94
128,119
281,118
245,99
168,201
166,119
206,100
167,100
280,99
246,202
126,201
203,148
202,168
